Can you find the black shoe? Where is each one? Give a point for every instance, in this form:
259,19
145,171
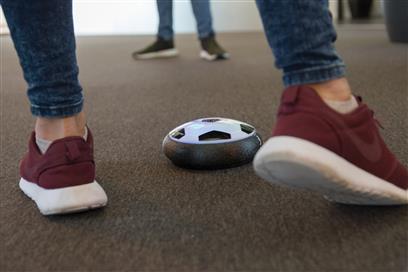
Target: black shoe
159,49
211,50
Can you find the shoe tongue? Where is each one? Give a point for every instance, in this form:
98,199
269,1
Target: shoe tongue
72,150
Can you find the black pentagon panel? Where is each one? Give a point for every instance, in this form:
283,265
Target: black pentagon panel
214,135
178,134
247,129
210,120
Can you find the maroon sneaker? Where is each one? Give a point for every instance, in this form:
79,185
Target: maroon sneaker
341,156
63,179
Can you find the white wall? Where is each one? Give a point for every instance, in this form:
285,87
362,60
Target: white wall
96,17
3,25
116,17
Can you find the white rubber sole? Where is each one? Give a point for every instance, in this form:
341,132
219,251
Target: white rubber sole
168,53
298,163
206,56
65,200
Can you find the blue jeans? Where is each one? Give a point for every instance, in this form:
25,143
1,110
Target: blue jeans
43,35
301,35
202,14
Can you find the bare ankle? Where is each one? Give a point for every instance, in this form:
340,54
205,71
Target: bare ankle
336,89
56,128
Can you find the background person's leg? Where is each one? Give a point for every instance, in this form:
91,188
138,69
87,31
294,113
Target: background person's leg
165,10
43,36
163,47
211,50
202,14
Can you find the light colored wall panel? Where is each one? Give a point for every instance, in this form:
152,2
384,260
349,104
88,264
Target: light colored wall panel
96,17
117,17
3,25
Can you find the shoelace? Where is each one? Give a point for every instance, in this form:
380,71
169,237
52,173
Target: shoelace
360,100
376,120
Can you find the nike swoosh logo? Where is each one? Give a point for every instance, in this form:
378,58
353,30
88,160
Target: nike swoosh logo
371,151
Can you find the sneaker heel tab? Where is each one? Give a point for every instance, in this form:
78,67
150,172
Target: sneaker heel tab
90,139
73,152
32,145
359,99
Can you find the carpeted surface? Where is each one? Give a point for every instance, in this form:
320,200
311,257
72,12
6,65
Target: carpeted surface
160,217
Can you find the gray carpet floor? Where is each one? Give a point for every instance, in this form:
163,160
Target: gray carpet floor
162,218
